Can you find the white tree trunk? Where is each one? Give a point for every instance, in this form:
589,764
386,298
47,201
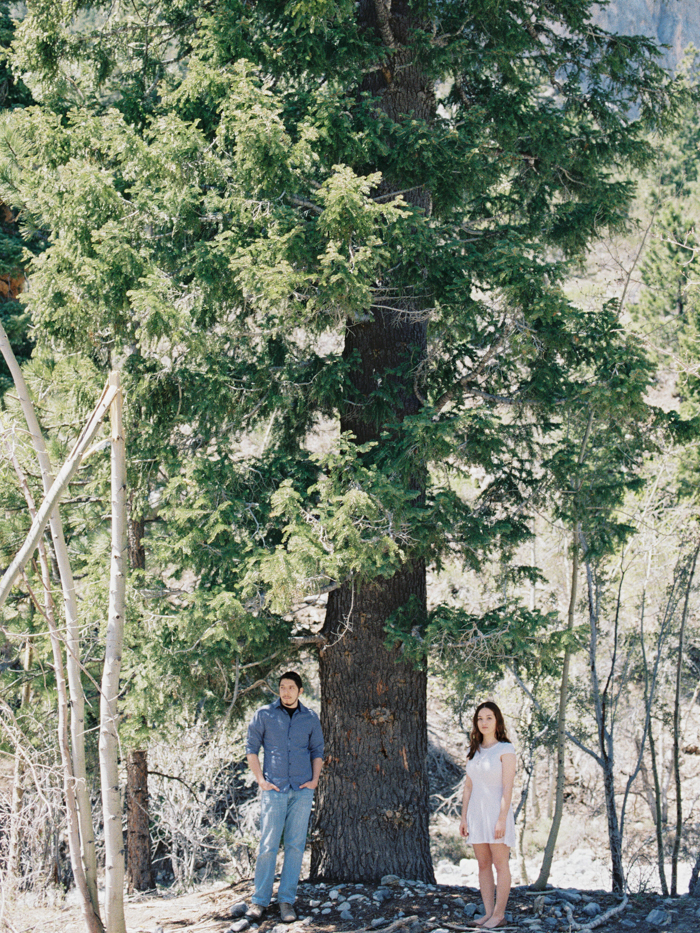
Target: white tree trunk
92,919
15,847
109,740
48,506
77,698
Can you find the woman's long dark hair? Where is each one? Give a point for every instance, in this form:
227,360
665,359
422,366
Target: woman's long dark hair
476,738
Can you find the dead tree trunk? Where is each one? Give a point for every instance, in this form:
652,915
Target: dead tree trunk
77,697
15,846
91,915
139,869
373,798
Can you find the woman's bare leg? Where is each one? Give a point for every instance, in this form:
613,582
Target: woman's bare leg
482,851
500,854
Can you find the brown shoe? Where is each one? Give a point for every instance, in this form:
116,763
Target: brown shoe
255,912
287,913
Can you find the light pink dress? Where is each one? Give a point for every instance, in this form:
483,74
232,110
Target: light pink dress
486,773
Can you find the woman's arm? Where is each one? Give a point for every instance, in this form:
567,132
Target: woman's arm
508,766
463,831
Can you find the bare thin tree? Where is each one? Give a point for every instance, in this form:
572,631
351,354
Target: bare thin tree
77,697
109,739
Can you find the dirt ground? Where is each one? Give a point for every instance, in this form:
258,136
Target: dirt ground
394,907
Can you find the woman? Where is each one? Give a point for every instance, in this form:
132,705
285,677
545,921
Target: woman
487,815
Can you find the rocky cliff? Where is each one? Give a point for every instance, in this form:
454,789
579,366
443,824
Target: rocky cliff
675,23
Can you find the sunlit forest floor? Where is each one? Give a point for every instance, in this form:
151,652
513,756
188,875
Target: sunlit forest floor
581,865
409,908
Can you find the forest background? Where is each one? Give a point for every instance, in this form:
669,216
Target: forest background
403,300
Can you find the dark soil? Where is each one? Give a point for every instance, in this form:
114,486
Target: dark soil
411,907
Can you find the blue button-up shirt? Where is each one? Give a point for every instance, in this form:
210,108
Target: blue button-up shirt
290,743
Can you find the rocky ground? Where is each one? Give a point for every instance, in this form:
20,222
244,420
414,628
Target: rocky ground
415,907
394,906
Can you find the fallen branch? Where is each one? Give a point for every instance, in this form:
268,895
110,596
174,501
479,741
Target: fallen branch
599,920
396,925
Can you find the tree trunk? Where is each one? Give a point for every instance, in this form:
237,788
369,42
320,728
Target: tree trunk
649,689
677,731
136,528
139,870
109,714
15,847
77,697
694,886
375,784
602,702
93,923
46,514
373,811
614,835
546,866
541,881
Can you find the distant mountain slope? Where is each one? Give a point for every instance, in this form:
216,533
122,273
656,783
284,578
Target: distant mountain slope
675,23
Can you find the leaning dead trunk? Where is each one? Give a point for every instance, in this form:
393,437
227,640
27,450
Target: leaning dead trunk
77,698
91,916
109,740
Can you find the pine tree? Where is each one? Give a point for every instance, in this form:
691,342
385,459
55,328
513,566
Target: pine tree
13,93
276,215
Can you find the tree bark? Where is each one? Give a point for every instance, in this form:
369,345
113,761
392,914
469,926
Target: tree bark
374,786
694,886
136,529
109,714
139,869
658,818
373,715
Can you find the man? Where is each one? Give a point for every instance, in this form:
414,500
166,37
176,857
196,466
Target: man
291,736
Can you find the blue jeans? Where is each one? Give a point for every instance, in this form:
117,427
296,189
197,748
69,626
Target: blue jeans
281,812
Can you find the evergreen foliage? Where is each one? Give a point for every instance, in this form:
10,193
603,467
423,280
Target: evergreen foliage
13,94
229,191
